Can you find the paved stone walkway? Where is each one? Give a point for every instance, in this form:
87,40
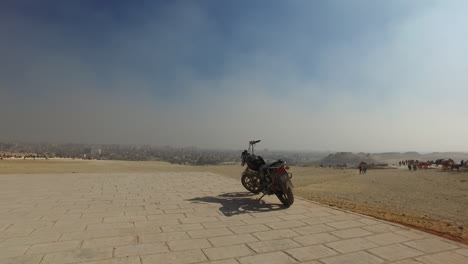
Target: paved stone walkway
191,218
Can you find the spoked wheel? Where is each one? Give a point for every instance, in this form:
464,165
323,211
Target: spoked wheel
251,182
286,198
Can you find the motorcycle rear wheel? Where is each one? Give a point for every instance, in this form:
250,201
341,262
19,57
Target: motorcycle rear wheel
286,198
251,182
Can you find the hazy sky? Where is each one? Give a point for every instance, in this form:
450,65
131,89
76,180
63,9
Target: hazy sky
302,75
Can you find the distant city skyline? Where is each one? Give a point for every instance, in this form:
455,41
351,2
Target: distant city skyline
358,76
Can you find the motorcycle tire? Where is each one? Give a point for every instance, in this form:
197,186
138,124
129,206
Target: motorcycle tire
286,198
250,184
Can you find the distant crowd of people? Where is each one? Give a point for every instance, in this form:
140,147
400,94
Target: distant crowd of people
445,163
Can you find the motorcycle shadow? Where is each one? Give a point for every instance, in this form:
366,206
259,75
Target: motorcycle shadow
239,203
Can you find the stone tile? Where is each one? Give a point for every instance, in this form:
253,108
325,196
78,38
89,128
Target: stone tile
157,223
213,232
314,239
273,245
369,221
117,225
313,229
384,239
232,240
268,213
186,244
443,258
316,220
350,245
344,217
140,249
227,252
463,252
275,234
249,228
311,252
147,230
407,261
124,219
164,216
262,220
13,251
29,240
346,224
77,255
235,217
355,257
178,211
199,219
412,234
430,245
297,209
223,223
17,232
395,252
25,259
179,257
285,224
54,247
97,234
382,228
161,206
205,212
224,261
125,260
270,258
293,217
109,242
144,213
159,237
181,227
319,213
352,232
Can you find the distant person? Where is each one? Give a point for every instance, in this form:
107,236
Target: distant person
360,168
409,166
364,169
462,162
415,167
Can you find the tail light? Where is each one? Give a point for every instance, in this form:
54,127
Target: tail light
281,169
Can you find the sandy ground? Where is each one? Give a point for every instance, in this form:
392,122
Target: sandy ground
430,200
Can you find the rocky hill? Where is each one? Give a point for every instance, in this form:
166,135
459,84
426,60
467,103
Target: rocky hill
348,158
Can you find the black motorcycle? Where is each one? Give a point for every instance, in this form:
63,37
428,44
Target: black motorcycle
273,178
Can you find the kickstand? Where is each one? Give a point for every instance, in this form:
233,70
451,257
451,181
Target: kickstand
261,197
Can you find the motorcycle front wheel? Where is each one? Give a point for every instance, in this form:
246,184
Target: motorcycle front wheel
286,198
251,182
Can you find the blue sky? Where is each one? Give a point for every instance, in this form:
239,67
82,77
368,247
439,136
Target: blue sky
302,75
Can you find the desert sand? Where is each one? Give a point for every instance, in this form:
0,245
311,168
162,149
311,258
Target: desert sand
430,200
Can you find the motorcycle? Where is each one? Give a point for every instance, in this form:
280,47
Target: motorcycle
273,178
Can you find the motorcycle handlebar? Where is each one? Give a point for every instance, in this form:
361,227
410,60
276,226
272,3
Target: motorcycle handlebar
254,142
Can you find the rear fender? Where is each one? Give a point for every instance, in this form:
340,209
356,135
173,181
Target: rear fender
285,181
